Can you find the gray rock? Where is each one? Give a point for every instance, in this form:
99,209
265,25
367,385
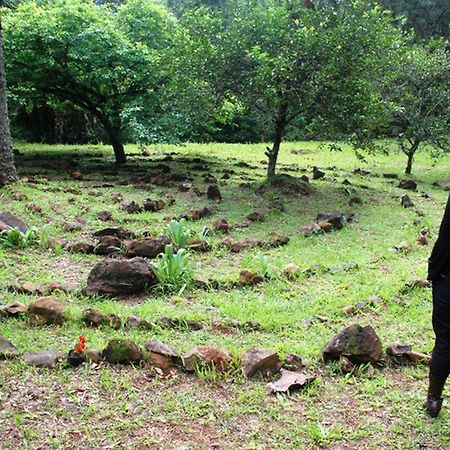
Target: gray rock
92,317
162,355
7,349
8,221
46,358
120,277
336,219
359,344
122,351
213,193
260,361
132,322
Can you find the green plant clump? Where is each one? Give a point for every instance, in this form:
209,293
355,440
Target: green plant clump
173,269
179,233
14,238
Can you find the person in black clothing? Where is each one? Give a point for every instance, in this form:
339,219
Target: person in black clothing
439,274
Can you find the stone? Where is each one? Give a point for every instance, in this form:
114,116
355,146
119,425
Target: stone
8,221
349,309
236,247
346,365
120,277
289,381
249,278
293,362
47,310
108,245
122,351
398,349
46,358
77,175
162,355
185,187
326,227
132,322
221,225
130,206
207,356
402,247
317,173
92,317
113,320
30,288
153,205
84,248
311,229
260,361
291,271
359,344
71,225
274,239
104,216
75,358
149,247
213,193
197,214
121,233
34,208
409,185
256,216
400,353
406,201
336,219
14,309
93,355
7,349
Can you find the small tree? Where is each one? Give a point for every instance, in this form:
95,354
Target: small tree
92,57
420,95
7,169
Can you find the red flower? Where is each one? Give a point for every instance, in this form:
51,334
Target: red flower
82,345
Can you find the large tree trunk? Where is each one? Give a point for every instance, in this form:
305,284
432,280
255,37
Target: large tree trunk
280,125
410,154
7,170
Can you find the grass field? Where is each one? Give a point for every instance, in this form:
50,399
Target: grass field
131,408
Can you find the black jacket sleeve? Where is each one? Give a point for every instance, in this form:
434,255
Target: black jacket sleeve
439,262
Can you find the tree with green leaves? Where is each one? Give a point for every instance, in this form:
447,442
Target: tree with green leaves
323,66
98,59
7,168
420,96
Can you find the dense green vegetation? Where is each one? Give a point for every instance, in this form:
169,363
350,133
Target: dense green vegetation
238,71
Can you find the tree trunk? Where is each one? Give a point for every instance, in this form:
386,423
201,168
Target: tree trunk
114,139
410,154
7,169
272,154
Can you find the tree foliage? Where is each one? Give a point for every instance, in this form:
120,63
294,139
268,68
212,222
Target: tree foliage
420,95
95,59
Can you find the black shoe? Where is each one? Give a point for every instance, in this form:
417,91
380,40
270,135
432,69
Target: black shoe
433,405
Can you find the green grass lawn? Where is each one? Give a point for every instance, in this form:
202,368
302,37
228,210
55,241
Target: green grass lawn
131,408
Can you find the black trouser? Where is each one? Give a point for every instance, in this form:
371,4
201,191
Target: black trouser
440,362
